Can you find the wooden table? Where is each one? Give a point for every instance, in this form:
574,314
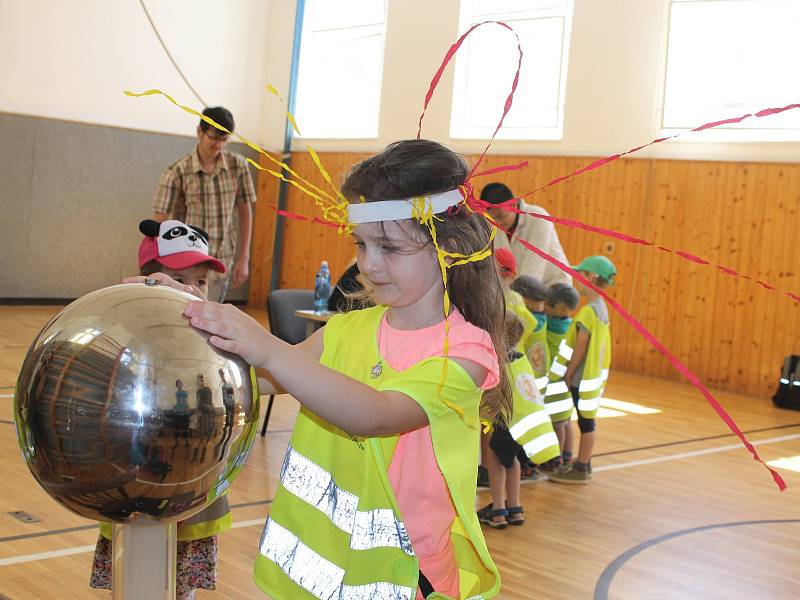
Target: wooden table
314,319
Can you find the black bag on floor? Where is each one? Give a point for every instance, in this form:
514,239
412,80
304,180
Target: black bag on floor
788,394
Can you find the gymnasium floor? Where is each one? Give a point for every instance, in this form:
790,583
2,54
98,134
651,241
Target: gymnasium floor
676,509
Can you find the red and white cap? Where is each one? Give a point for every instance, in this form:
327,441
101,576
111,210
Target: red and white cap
175,245
506,261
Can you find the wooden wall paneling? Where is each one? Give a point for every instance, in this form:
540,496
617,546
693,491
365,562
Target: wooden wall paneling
733,334
734,288
689,315
774,318
263,235
784,205
307,244
749,342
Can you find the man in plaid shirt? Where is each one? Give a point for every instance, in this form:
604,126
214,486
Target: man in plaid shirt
210,187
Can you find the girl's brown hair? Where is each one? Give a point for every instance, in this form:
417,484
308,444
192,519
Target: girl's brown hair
413,168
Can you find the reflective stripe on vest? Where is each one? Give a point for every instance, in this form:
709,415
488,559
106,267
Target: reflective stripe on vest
368,529
317,575
554,408
557,387
558,369
541,382
590,385
604,374
588,405
535,446
565,350
540,417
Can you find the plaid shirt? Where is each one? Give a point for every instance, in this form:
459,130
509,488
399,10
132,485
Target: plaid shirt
190,195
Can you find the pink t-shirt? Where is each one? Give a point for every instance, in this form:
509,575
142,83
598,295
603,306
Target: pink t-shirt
427,508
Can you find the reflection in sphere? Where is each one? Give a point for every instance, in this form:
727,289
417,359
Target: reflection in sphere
124,411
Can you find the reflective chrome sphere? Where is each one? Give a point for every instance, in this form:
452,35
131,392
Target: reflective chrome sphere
126,412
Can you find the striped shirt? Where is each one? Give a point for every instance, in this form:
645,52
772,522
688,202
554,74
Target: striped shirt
187,193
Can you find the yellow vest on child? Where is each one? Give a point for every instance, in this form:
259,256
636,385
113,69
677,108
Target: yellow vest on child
334,529
596,364
530,426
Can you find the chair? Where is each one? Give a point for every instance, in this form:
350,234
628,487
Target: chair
281,305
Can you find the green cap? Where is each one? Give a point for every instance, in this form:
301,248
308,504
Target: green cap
599,265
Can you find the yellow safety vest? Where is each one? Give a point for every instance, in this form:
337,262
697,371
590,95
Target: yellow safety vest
539,356
595,364
334,529
516,304
530,426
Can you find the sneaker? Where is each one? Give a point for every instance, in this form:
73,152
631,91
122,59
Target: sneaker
551,466
529,472
483,476
573,475
487,516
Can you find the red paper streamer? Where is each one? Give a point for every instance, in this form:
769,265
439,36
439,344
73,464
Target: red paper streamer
512,206
653,341
766,112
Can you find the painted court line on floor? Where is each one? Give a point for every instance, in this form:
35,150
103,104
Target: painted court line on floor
13,560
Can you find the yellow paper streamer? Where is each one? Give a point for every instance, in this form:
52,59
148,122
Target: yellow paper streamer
334,208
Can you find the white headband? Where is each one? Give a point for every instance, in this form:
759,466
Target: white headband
397,210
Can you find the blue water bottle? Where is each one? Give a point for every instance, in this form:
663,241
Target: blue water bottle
322,288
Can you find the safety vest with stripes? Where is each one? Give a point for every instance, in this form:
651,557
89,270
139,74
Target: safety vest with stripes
334,530
515,303
557,397
539,357
596,362
530,426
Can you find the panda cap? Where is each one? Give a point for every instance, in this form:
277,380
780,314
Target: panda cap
175,245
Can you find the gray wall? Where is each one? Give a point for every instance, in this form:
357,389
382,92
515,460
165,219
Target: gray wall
71,198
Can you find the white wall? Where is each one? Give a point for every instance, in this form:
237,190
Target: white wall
71,60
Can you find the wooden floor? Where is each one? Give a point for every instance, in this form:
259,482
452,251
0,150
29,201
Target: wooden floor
676,509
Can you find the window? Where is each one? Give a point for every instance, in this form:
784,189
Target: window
726,58
341,64
486,62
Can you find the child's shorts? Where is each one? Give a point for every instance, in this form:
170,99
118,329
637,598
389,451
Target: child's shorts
196,568
504,446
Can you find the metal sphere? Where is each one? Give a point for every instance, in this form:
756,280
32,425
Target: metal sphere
126,412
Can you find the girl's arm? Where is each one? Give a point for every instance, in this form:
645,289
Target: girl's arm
311,346
578,354
340,400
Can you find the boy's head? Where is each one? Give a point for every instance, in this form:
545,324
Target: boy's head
513,330
599,270
499,193
506,265
561,300
532,291
178,250
210,139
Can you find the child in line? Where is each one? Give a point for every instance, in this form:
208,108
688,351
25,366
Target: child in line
589,343
179,251
515,304
533,293
529,436
378,483
561,300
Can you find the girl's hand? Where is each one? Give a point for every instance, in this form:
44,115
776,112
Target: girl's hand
233,331
163,280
